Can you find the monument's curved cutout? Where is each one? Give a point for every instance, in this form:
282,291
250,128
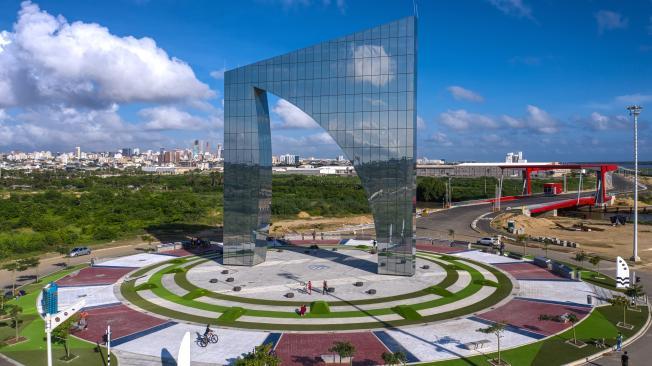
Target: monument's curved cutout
361,89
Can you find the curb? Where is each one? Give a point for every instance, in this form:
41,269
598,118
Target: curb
10,360
627,342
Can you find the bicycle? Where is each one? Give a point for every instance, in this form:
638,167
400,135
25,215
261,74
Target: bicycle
203,340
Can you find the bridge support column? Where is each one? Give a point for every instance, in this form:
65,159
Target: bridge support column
528,181
601,186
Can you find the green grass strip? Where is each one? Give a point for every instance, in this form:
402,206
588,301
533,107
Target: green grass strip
407,312
319,307
200,292
232,314
145,286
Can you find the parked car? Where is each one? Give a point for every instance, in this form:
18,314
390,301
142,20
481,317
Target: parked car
76,252
488,241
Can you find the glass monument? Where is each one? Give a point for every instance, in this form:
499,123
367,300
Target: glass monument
361,88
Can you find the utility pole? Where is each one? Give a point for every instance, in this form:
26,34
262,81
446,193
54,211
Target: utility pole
635,110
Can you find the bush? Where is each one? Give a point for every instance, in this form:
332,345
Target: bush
232,314
319,307
407,312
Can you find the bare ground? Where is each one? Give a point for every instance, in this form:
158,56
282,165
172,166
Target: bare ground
612,241
304,223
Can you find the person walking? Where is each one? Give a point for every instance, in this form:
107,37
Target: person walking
619,342
309,287
302,310
324,288
624,359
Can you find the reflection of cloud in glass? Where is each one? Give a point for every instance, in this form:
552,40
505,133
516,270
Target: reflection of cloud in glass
372,64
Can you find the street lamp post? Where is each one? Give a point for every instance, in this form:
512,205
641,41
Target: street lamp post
635,110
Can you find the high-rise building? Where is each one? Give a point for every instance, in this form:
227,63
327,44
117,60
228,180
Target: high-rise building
289,159
195,149
127,152
364,79
78,152
220,152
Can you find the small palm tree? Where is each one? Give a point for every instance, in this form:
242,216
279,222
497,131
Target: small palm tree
635,291
64,250
396,358
621,301
545,247
595,261
12,267
572,318
496,329
451,233
15,313
31,262
343,349
522,238
149,239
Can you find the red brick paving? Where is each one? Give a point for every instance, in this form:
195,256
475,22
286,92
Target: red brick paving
525,314
123,320
296,349
527,271
94,276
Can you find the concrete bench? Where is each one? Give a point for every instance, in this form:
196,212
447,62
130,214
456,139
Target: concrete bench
542,262
563,270
476,344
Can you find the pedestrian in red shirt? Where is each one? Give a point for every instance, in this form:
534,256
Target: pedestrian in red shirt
302,310
309,288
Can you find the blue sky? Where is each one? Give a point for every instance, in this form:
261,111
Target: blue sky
549,77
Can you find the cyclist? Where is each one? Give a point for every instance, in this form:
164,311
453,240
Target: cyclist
208,330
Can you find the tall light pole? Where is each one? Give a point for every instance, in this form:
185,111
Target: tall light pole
635,110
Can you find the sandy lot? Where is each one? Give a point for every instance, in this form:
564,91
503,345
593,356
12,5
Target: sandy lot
612,241
305,223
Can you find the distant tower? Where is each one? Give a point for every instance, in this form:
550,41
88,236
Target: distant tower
208,147
78,152
195,149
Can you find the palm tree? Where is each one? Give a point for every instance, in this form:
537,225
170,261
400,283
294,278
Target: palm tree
545,246
635,291
522,238
12,267
496,329
343,349
451,233
572,318
595,261
580,257
396,358
621,301
149,239
31,262
15,317
64,250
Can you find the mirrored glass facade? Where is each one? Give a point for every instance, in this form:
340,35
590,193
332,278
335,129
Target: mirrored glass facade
361,88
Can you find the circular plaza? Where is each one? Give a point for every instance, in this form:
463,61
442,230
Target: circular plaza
269,296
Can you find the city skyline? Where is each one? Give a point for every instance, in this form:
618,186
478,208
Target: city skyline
551,81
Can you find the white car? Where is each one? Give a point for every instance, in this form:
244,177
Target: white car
76,252
488,241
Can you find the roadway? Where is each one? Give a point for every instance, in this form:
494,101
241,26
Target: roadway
459,219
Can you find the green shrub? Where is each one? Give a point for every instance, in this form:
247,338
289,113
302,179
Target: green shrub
196,293
407,312
232,314
145,286
319,307
436,290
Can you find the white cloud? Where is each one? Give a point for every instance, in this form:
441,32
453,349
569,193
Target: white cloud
47,60
610,20
637,98
366,64
540,121
513,7
440,138
421,124
3,115
460,93
60,128
291,116
601,122
218,74
494,139
171,118
462,120
536,119
513,122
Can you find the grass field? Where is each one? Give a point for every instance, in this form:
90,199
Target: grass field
32,352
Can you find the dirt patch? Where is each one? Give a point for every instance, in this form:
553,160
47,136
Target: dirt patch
317,223
603,238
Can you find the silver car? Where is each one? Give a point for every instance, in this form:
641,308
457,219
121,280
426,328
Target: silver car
76,252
